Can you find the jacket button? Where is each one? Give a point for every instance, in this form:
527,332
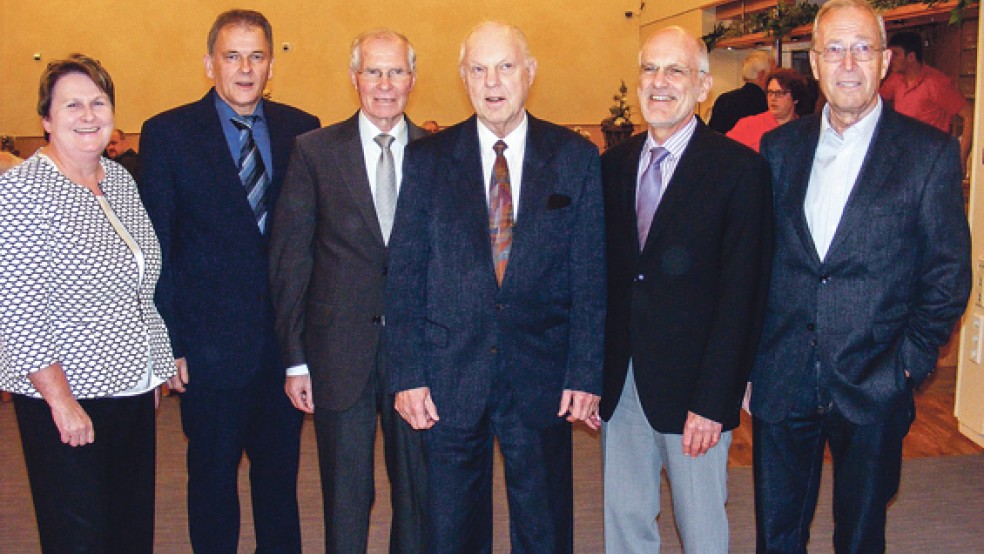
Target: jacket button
813,342
640,277
377,319
810,326
494,350
824,279
499,306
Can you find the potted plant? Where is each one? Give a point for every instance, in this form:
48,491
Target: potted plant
618,126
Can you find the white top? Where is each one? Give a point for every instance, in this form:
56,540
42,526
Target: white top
836,166
514,154
371,150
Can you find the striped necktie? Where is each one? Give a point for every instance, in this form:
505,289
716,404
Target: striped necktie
252,171
500,212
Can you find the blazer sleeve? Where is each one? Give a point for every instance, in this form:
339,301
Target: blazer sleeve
26,332
158,194
742,285
588,283
406,292
292,254
944,274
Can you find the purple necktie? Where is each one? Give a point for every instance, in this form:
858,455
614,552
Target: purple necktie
650,192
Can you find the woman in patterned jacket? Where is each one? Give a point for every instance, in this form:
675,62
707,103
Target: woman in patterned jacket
81,344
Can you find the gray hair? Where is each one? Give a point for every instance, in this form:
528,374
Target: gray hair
862,5
703,60
516,32
757,61
355,61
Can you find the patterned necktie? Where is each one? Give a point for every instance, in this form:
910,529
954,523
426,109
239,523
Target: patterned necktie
252,171
500,212
650,193
385,186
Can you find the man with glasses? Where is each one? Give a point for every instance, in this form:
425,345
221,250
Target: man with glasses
871,271
688,230
328,262
212,171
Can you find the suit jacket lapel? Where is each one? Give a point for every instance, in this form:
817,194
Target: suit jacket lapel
468,185
350,160
536,188
800,165
629,174
877,167
688,174
225,170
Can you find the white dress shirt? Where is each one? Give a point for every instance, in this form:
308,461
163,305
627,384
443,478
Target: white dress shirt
515,153
371,150
676,144
835,170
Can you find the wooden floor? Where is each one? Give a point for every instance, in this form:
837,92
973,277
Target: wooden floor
933,434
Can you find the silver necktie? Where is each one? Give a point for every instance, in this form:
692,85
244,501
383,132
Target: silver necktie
385,186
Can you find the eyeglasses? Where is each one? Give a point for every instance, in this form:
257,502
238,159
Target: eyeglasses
670,72
860,51
374,75
777,93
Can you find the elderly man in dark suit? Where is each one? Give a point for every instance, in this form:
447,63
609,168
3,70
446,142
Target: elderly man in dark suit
211,174
871,270
495,304
328,262
688,221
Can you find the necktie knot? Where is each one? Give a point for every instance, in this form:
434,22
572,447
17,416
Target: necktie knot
499,147
244,122
384,141
657,155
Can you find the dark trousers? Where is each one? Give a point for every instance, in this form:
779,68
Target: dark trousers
788,458
346,442
223,424
97,498
539,485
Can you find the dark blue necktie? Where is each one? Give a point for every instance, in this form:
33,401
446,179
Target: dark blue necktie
252,171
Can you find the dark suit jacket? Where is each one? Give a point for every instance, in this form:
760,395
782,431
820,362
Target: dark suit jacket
131,161
895,280
687,309
328,263
736,104
449,326
214,288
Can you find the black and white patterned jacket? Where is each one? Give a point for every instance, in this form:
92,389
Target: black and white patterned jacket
69,285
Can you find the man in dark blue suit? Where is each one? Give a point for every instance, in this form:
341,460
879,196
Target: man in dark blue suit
871,270
495,305
212,171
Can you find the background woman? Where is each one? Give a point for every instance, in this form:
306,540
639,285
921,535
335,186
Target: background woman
785,89
83,347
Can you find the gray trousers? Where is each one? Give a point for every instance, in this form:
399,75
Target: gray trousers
634,456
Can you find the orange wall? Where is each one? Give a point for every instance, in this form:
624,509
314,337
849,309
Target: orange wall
154,52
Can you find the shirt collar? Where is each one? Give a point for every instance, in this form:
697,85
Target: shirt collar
368,129
226,112
486,138
677,142
865,127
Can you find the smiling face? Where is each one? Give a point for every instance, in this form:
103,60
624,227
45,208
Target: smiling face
850,86
240,65
384,81
670,82
498,75
80,119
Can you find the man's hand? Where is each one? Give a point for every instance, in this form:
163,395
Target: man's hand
178,381
580,406
417,407
699,435
298,389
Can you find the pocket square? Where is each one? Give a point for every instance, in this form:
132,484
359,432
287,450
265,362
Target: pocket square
557,201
